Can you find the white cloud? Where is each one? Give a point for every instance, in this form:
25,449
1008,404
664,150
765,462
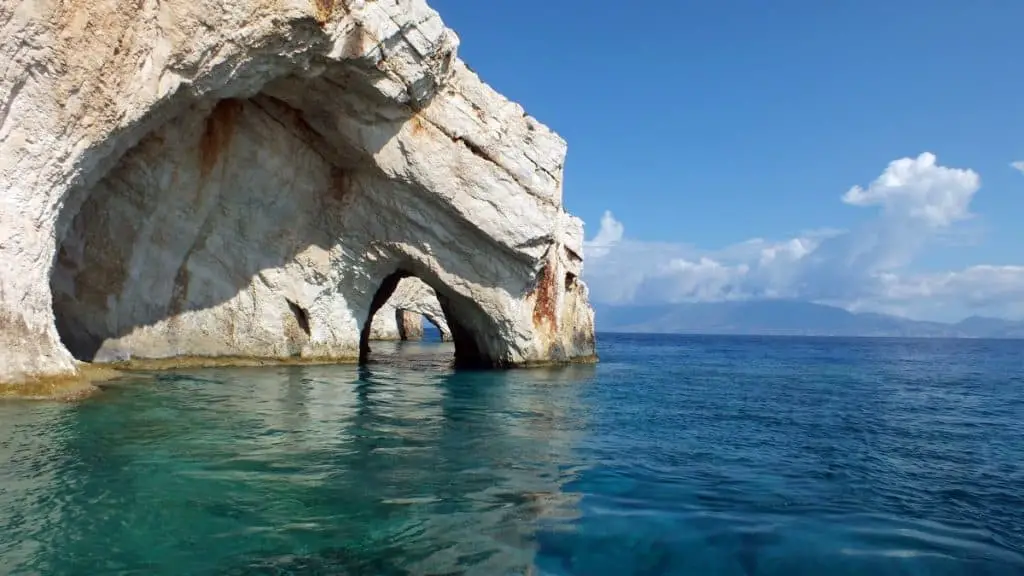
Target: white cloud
611,230
983,289
700,279
608,235
1019,165
865,268
982,285
918,188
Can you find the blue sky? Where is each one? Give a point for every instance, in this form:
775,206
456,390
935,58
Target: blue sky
719,143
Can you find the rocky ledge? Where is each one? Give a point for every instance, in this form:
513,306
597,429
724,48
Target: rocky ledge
254,178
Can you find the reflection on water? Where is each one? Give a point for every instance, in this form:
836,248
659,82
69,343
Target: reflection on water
674,455
375,470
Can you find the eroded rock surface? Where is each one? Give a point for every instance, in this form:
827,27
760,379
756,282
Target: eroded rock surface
401,317
253,179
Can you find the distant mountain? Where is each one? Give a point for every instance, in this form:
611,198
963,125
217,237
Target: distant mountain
991,327
787,317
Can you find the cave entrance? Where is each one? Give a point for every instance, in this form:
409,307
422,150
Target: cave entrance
219,233
432,331
401,311
409,325
212,236
412,313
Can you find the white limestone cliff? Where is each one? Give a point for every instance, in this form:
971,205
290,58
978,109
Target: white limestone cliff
401,317
190,178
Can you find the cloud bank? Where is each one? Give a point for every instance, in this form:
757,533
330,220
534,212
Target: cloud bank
916,202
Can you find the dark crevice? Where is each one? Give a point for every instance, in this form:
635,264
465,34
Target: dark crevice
573,255
476,150
400,322
545,240
77,338
467,351
570,281
387,288
301,316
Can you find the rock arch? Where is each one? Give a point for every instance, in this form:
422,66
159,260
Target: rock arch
401,317
195,180
471,329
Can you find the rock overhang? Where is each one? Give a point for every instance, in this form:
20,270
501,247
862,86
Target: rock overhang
398,159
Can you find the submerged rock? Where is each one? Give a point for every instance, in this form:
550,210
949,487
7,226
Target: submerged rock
253,178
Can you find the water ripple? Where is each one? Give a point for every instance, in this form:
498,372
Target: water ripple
675,455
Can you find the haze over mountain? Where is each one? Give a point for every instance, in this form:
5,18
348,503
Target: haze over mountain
788,317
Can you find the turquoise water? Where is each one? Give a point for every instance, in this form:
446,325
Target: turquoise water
675,455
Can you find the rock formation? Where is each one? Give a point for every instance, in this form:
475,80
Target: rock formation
401,317
190,178
410,325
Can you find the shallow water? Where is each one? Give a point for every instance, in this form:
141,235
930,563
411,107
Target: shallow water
674,455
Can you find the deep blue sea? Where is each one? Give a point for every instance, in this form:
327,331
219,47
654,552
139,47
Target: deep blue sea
674,455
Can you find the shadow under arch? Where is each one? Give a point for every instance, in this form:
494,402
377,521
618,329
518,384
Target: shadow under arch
473,349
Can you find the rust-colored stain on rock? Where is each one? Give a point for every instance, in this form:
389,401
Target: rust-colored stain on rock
220,126
419,125
322,10
546,293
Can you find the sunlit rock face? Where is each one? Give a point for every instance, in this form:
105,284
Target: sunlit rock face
249,179
401,317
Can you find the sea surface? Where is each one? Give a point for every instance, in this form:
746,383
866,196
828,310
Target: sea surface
674,455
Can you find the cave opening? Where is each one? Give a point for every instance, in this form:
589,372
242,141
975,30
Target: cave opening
229,228
432,331
413,303
241,198
192,242
413,313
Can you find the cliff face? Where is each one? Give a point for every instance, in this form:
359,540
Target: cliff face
189,178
